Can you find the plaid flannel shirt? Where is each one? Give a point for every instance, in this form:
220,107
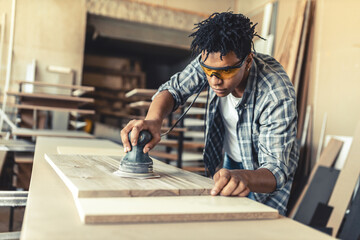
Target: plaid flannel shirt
266,129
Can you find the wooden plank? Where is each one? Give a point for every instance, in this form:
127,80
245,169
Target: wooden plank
9,62
289,56
186,144
93,176
198,100
140,92
50,103
176,129
345,184
171,209
66,86
192,111
302,94
194,169
17,145
301,46
327,158
2,159
52,96
24,158
159,154
46,108
194,134
193,122
25,132
140,105
2,34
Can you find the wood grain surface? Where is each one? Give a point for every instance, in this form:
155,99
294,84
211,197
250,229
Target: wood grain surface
51,209
93,176
171,209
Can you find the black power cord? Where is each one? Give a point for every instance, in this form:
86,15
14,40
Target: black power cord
183,115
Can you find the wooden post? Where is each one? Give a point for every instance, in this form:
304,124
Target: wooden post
2,34
8,68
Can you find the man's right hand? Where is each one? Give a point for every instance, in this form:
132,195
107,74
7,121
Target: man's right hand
135,126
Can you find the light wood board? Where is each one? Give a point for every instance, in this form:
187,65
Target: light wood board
186,144
345,184
48,108
49,133
46,96
45,84
171,209
93,176
139,92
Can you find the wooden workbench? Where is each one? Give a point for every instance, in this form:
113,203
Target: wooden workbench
51,212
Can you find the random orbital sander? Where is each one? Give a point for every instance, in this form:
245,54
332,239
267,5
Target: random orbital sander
136,163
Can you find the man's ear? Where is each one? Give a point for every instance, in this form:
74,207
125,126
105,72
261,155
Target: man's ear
249,60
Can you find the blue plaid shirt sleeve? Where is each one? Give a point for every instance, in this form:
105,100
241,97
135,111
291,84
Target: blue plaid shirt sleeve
277,138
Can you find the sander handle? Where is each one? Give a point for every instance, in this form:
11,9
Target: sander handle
144,138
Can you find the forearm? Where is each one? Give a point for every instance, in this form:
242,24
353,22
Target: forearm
260,180
160,107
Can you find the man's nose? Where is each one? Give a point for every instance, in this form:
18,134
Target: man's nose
214,80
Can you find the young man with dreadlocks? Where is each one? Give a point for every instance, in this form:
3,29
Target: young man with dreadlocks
252,112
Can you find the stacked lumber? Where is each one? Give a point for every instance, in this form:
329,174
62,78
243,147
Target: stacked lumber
33,107
295,55
294,52
112,77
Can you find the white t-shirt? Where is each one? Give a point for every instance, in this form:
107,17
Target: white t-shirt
230,118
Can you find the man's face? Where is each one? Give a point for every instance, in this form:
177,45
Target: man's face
222,84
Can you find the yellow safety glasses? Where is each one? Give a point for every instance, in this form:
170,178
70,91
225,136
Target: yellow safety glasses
222,72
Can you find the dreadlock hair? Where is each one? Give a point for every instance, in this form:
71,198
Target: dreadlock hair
224,32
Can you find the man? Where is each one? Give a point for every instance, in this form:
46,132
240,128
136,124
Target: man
252,112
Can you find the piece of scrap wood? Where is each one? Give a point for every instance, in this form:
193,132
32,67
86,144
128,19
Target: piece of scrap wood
345,184
171,209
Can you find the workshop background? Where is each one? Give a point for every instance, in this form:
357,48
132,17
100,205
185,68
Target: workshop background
85,68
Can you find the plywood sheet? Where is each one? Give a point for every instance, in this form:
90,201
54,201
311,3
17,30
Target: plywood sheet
93,176
171,209
345,184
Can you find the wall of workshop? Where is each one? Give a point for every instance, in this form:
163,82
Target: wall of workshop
335,77
50,31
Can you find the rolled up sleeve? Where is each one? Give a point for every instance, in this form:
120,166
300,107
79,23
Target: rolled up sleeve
277,138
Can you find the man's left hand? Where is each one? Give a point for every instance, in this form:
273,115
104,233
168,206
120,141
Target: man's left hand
230,183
